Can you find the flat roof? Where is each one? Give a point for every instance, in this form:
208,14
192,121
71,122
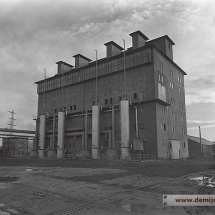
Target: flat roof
165,36
82,56
140,33
115,44
67,64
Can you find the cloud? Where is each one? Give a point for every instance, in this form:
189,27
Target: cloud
202,127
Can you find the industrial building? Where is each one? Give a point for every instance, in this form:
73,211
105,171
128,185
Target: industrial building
200,147
130,101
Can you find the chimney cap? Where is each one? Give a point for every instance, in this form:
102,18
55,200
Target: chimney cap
140,33
82,56
67,64
115,44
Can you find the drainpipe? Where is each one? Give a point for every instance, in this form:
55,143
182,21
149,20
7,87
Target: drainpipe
136,122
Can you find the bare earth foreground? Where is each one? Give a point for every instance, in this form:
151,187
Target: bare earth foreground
46,187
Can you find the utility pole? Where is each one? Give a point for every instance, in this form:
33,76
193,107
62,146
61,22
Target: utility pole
200,137
12,119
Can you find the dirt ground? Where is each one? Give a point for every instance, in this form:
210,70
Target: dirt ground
49,187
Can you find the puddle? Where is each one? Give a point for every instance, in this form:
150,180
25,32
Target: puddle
204,181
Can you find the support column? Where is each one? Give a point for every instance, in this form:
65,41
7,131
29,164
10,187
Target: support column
61,134
95,131
113,128
42,135
136,123
125,128
85,129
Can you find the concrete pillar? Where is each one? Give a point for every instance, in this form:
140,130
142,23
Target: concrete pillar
42,135
61,134
95,131
85,129
125,128
113,128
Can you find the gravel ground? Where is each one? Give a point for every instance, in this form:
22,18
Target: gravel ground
45,186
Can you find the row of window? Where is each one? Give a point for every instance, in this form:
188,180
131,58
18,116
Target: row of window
173,129
170,73
103,68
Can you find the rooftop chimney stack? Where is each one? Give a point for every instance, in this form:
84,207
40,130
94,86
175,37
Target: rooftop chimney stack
63,67
138,39
113,49
81,60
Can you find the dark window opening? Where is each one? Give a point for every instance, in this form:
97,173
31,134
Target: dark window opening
135,95
74,107
106,101
110,100
70,107
55,110
184,144
164,127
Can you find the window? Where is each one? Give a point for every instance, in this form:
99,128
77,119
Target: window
162,111
169,46
135,95
171,85
106,101
184,145
173,115
160,78
110,100
173,129
182,131
70,107
161,64
163,126
74,107
179,90
120,98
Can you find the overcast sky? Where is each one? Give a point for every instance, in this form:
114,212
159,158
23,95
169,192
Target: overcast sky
35,34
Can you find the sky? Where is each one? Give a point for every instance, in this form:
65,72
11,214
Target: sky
36,34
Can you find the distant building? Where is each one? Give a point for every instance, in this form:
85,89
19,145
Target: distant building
205,149
72,116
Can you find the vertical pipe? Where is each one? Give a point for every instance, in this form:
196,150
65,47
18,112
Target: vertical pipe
61,134
44,94
85,129
109,139
113,127
42,137
82,140
95,131
136,122
96,80
53,134
125,128
124,73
